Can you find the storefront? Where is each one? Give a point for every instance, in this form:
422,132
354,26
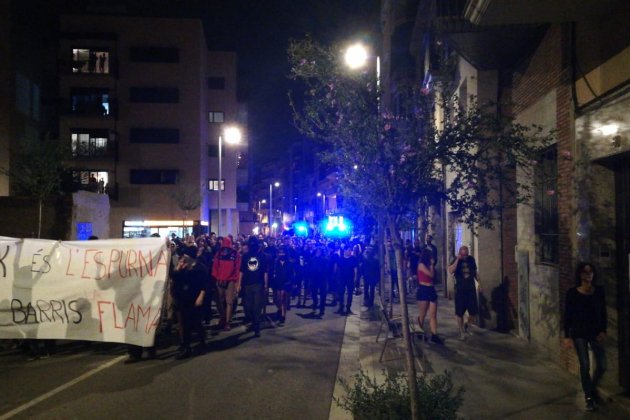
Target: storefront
603,231
164,228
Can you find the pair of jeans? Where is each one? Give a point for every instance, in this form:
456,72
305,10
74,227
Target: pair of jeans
581,345
191,323
253,303
346,286
318,285
369,292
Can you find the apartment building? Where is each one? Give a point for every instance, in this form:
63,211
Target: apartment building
143,103
25,78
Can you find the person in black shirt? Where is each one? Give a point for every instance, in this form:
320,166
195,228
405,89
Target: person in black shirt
371,271
318,267
190,280
283,278
347,270
464,268
255,282
585,323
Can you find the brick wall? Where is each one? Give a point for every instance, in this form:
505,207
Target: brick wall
546,70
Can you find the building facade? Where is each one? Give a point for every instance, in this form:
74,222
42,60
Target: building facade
142,110
566,70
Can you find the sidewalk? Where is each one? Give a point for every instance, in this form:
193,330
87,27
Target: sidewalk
504,377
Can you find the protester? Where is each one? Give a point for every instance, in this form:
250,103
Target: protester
464,268
283,278
255,281
347,275
225,269
371,272
426,294
190,279
319,280
585,324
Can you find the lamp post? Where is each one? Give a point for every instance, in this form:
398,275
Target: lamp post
271,185
232,136
323,196
357,56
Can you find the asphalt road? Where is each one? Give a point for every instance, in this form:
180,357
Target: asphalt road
288,373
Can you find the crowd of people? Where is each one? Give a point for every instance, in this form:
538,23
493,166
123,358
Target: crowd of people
210,273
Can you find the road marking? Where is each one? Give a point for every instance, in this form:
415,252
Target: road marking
61,388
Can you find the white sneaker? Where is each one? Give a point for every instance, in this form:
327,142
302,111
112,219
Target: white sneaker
468,330
462,336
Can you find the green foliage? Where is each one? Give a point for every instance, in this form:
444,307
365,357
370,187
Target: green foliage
37,167
367,399
394,164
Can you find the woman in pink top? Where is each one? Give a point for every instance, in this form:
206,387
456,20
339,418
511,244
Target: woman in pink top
426,295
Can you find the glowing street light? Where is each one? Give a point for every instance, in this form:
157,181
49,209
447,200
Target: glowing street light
356,56
323,196
232,135
272,225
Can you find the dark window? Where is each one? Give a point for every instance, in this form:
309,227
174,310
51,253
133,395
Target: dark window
546,207
213,151
90,101
90,60
154,54
90,143
153,135
216,117
153,176
213,185
216,83
154,94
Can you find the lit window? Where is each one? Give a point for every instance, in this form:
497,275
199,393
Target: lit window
216,117
90,143
546,207
88,60
213,185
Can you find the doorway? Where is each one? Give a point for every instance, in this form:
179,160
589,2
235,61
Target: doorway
622,192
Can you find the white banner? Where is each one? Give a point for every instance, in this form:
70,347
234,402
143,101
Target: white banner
104,290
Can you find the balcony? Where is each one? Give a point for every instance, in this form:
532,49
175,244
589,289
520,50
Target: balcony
89,107
82,68
104,149
510,12
486,47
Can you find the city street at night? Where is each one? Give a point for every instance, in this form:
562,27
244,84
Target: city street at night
287,373
315,209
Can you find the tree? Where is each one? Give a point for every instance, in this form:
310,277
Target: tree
36,170
187,198
394,164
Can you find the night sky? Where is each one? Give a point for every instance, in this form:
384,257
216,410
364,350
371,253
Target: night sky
260,31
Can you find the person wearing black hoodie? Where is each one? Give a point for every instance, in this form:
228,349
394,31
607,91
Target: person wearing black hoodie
190,279
254,279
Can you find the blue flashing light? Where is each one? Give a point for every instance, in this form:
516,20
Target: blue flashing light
337,226
300,228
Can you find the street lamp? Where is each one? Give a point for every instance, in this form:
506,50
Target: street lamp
323,196
232,136
271,185
356,56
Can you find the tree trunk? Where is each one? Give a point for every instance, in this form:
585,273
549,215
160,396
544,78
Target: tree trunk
410,363
39,221
381,257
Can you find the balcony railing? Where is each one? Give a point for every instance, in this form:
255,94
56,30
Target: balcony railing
95,108
79,68
94,150
449,16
